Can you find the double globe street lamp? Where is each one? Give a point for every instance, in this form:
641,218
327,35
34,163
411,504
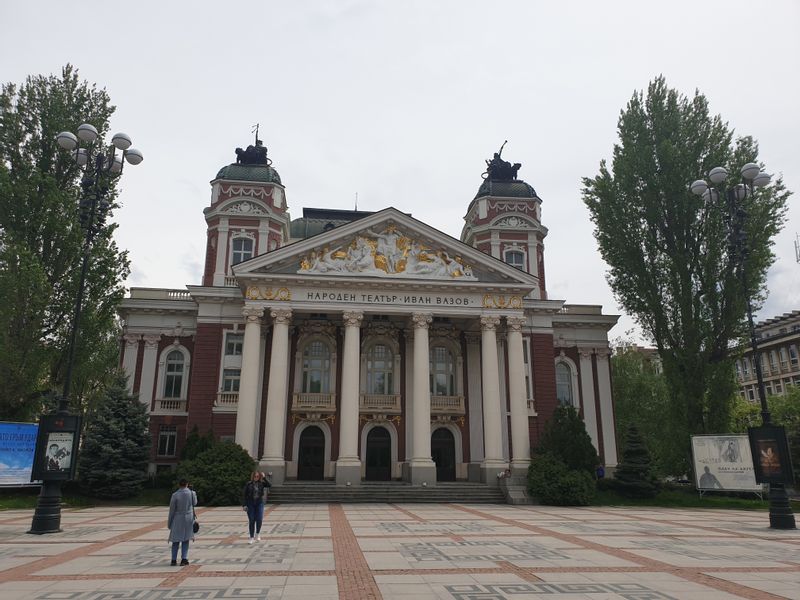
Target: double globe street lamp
768,445
59,433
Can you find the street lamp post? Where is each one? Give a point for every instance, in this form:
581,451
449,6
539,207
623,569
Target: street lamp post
780,510
57,440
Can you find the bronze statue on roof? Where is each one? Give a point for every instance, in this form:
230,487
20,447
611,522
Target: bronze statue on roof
255,154
498,169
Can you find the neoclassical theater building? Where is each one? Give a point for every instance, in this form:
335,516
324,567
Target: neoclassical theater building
351,346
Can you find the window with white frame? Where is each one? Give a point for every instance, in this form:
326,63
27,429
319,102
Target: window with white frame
442,372
230,380
316,368
773,361
793,355
784,357
174,373
516,258
738,369
242,250
380,370
564,392
746,365
233,344
167,439
526,359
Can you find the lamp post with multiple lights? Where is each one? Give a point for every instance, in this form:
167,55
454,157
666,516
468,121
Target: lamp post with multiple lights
57,440
735,213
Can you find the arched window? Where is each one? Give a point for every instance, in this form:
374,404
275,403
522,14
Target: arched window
516,258
380,370
242,250
443,378
564,384
173,377
316,368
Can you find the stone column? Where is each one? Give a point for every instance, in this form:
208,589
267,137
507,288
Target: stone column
149,361
348,465
606,407
475,405
587,395
520,434
129,358
278,386
492,409
248,380
421,468
222,252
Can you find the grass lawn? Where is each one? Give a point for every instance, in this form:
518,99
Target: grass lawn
22,498
686,498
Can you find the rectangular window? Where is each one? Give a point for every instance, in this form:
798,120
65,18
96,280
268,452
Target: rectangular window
793,355
233,344
751,395
230,380
167,439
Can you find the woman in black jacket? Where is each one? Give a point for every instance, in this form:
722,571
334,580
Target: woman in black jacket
253,497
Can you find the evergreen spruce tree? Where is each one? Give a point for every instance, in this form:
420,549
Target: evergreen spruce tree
116,447
565,438
634,476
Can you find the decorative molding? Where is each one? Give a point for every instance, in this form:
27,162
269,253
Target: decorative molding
489,323
239,190
472,337
151,341
267,293
501,301
380,418
585,353
131,339
602,353
317,328
253,314
515,323
244,208
282,316
515,222
421,320
352,318
381,329
312,418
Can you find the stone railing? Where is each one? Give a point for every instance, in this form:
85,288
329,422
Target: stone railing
447,405
159,294
230,281
227,400
314,403
172,405
380,403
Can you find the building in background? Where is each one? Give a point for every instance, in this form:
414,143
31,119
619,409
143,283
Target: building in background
358,346
779,344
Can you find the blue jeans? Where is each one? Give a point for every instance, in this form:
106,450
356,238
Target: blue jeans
184,550
255,516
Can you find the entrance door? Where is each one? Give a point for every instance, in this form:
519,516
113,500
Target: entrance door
443,453
379,455
311,454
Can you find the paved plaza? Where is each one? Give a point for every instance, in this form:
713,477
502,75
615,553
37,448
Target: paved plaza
405,552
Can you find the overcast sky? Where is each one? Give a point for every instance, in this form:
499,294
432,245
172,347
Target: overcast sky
401,102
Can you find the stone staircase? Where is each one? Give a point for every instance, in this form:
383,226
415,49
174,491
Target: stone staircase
396,492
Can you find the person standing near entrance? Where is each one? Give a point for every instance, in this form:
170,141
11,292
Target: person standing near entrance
253,497
180,520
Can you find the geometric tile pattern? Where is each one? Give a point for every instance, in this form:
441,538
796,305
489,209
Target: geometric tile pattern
629,591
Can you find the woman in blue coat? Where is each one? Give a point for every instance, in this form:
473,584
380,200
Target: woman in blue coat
180,521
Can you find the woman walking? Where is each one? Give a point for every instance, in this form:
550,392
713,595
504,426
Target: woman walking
180,520
253,497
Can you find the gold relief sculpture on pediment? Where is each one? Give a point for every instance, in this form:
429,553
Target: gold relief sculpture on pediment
267,293
502,301
387,252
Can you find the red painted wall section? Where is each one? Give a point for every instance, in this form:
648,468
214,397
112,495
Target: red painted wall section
544,383
204,379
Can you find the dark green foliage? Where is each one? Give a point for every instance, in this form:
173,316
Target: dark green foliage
41,249
565,437
634,477
116,446
196,443
670,264
551,482
218,474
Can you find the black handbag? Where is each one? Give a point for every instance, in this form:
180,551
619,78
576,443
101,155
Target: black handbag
195,523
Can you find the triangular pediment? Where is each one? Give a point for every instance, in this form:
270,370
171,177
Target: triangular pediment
390,246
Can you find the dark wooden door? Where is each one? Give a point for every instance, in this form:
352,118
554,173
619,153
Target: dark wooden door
311,455
443,453
379,455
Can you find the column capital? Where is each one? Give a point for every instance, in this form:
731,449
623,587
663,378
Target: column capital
253,314
282,316
421,320
489,322
131,339
585,353
602,353
515,323
352,318
151,340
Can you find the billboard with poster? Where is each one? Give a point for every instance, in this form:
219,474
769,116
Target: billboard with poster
17,449
723,462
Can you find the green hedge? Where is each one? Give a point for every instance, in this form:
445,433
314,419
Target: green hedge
218,474
552,482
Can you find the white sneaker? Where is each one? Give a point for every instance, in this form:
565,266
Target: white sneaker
258,538
251,541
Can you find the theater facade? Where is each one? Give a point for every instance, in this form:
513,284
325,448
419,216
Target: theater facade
355,346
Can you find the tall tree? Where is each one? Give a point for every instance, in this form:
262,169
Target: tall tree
41,244
668,253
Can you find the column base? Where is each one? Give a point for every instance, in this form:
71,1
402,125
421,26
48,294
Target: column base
490,469
348,472
421,472
275,470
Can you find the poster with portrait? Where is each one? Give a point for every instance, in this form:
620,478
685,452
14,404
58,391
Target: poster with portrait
723,462
59,451
773,461
56,448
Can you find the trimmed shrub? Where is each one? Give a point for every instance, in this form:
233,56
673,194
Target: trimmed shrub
634,477
196,444
218,474
565,437
552,482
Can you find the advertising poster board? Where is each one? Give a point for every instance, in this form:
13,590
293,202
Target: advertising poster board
56,447
723,462
17,450
769,445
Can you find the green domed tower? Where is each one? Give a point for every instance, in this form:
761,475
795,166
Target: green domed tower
247,216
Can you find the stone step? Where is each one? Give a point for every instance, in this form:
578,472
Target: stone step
385,491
